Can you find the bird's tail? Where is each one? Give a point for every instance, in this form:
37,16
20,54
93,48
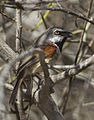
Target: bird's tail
15,90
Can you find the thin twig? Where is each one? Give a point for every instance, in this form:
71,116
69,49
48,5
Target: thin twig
33,2
18,30
80,53
53,9
61,76
72,72
5,15
78,56
18,49
77,59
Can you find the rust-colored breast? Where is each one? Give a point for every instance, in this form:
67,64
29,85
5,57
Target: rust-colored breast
49,49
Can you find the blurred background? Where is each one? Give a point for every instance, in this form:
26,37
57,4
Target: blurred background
80,101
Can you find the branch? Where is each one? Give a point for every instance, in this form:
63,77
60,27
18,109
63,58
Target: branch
47,104
18,29
32,2
52,9
48,107
81,47
77,69
60,67
4,73
62,10
18,49
6,53
68,73
5,15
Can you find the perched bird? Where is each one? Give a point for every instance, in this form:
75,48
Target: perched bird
51,43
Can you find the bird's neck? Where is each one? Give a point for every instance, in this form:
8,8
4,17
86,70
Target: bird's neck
61,43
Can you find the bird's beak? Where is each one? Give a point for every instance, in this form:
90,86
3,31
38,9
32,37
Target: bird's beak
67,34
70,34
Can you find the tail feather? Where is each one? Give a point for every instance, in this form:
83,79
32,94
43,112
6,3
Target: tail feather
14,92
17,85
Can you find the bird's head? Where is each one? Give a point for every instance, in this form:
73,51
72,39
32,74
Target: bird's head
58,36
55,35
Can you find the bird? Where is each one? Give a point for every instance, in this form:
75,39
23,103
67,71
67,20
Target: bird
51,42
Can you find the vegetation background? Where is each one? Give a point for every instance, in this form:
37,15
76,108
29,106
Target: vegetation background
73,96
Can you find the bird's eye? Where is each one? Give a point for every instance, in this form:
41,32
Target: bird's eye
56,32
